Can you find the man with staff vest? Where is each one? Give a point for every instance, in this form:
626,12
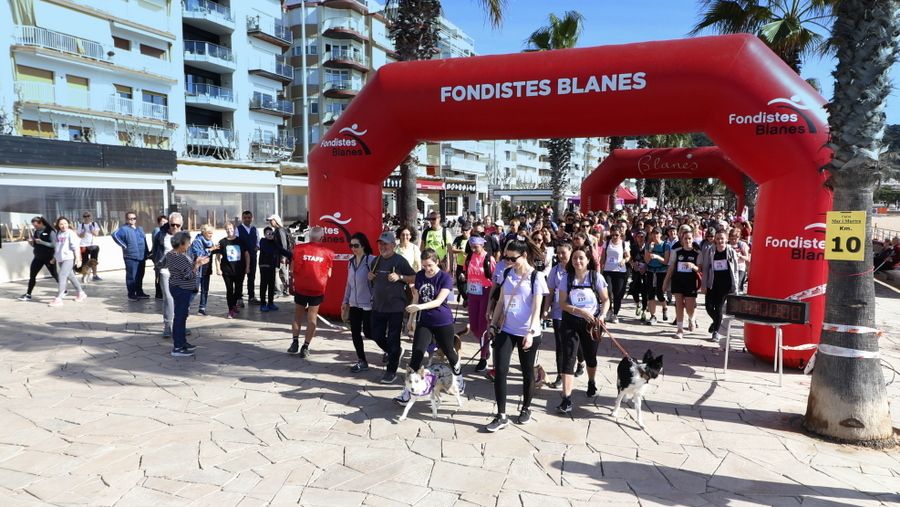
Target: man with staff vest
311,268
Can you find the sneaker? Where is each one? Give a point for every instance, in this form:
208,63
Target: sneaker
565,407
491,374
457,368
182,352
714,337
304,351
679,334
96,278
385,358
497,424
190,347
202,311
665,315
254,301
592,389
556,383
614,319
240,304
402,399
524,416
360,366
579,371
711,328
294,348
264,308
80,297
25,297
652,320
230,314
388,378
167,335
273,308
56,302
481,366
133,299
143,296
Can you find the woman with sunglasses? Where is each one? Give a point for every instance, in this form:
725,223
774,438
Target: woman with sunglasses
543,260
357,305
681,278
516,323
614,259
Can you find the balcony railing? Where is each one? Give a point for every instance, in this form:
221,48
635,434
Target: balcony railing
269,27
270,103
78,98
131,107
41,37
201,48
344,23
29,91
346,55
209,136
274,140
274,65
341,85
209,92
208,9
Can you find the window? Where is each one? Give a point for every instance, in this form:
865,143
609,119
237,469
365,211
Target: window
153,52
121,43
80,134
78,92
312,49
155,98
314,107
31,128
213,207
122,91
24,73
451,206
125,139
337,76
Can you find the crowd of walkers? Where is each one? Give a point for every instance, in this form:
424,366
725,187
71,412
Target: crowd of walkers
570,274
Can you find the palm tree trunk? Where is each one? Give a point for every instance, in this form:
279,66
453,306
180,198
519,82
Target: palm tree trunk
847,397
639,186
661,200
408,198
560,154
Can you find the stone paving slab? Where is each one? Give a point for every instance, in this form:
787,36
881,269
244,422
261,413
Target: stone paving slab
95,412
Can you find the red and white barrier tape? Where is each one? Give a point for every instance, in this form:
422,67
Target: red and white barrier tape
845,328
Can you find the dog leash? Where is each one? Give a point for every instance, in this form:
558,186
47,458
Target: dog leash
614,341
479,351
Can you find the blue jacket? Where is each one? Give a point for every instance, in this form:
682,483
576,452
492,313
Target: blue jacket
133,242
358,292
199,248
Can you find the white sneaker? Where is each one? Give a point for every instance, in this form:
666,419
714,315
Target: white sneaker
714,337
679,334
56,302
691,325
81,297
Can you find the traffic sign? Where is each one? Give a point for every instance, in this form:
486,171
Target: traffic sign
845,236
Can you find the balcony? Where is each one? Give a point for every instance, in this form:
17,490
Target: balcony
207,15
130,107
273,68
210,97
38,93
345,28
204,141
468,166
270,105
270,31
41,37
345,59
269,147
359,6
341,89
208,56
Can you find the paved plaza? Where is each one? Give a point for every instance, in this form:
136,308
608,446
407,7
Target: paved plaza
94,411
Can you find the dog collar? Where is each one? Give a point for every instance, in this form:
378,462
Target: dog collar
430,381
643,371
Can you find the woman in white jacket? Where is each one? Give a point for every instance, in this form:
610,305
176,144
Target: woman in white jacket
67,254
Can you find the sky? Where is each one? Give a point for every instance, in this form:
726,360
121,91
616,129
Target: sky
613,22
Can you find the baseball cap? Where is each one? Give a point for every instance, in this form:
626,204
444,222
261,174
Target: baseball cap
387,237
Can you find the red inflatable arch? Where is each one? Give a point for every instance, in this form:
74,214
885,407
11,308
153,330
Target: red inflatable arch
755,108
676,163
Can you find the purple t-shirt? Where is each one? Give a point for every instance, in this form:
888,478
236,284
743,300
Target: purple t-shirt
428,289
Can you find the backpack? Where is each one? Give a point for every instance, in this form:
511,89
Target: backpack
495,296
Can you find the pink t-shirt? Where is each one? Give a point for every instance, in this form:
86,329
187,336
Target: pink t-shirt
476,282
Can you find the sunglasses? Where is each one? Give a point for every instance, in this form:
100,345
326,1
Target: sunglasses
85,216
355,245
131,218
174,225
511,258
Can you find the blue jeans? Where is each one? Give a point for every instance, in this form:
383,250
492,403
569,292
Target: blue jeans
134,277
182,298
203,285
386,328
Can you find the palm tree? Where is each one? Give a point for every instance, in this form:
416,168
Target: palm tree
793,29
414,30
847,398
560,33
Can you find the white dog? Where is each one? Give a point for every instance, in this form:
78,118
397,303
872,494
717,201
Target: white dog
430,381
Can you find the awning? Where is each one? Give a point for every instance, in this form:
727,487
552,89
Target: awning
425,199
626,195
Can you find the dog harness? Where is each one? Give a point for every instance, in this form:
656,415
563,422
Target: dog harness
430,380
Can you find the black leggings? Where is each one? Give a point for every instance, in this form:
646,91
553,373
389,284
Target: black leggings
558,336
639,289
617,280
575,338
360,325
267,285
233,289
443,335
655,286
36,265
715,303
503,347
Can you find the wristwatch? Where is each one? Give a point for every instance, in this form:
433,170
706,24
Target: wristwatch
495,329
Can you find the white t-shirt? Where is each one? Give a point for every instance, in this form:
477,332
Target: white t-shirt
614,254
88,231
518,298
581,295
167,247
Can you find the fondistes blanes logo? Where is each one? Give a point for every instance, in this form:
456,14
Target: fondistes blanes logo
786,116
349,144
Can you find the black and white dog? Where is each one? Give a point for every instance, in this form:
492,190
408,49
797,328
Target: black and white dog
431,381
633,378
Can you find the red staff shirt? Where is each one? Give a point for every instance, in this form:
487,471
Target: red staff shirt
311,264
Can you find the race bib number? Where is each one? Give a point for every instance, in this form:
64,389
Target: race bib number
720,265
514,303
684,267
233,253
474,288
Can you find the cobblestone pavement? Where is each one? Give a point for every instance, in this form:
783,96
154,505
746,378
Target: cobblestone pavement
95,411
